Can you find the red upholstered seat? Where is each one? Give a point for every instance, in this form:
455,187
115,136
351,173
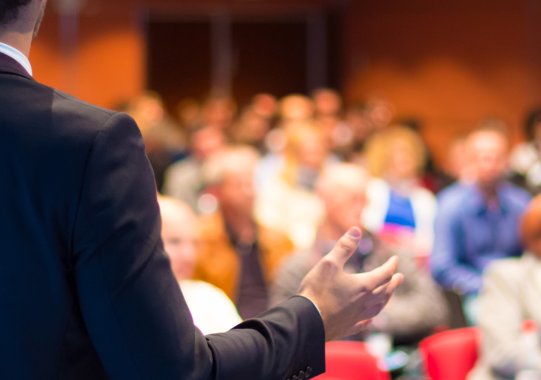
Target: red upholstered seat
350,361
450,355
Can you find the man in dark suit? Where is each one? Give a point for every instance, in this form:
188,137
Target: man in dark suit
86,291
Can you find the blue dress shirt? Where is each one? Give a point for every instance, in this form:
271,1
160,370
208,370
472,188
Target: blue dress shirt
469,234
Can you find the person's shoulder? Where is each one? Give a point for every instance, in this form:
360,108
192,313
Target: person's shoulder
510,269
423,192
424,197
186,167
456,190
81,120
66,106
516,194
454,196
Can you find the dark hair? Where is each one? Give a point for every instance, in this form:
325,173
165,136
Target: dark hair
9,10
533,118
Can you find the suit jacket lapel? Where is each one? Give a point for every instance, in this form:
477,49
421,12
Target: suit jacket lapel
10,66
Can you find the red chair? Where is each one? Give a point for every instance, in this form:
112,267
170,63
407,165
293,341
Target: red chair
450,355
351,361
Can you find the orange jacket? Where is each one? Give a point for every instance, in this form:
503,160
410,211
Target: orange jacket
219,264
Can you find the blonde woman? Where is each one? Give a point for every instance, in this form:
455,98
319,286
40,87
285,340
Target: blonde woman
400,210
288,202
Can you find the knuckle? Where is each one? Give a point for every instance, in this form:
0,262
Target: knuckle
327,265
345,245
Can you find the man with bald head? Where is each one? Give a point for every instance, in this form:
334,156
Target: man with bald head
477,222
510,296
417,307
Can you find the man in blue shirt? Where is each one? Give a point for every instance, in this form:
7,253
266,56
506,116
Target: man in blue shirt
477,222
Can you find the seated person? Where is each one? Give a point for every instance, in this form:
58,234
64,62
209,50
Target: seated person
511,294
212,311
235,254
417,306
286,200
184,179
400,210
477,222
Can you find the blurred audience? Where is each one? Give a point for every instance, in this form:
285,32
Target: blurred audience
400,210
251,129
265,105
189,114
296,108
164,140
380,111
282,189
212,311
510,297
417,307
255,124
184,180
219,112
293,110
235,253
362,127
457,166
525,160
477,222
329,118
286,199
327,103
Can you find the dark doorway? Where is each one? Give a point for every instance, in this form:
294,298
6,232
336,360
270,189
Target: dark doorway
179,60
269,57
267,54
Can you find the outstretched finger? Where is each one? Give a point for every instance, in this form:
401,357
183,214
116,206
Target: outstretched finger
345,247
380,276
389,288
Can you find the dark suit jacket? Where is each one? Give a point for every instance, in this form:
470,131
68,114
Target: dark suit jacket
86,291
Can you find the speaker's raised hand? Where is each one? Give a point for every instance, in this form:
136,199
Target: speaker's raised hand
348,301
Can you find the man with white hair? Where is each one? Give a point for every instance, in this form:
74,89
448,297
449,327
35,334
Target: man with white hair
417,307
235,254
212,311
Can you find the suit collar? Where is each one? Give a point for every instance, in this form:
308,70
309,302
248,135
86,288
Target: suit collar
10,66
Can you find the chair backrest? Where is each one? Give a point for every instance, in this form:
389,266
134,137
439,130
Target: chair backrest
351,361
450,355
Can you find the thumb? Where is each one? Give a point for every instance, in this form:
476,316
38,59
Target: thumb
345,247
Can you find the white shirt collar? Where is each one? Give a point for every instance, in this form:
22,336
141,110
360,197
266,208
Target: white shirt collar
16,55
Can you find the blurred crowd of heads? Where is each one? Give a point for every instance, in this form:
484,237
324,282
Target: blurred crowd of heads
305,130
307,135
